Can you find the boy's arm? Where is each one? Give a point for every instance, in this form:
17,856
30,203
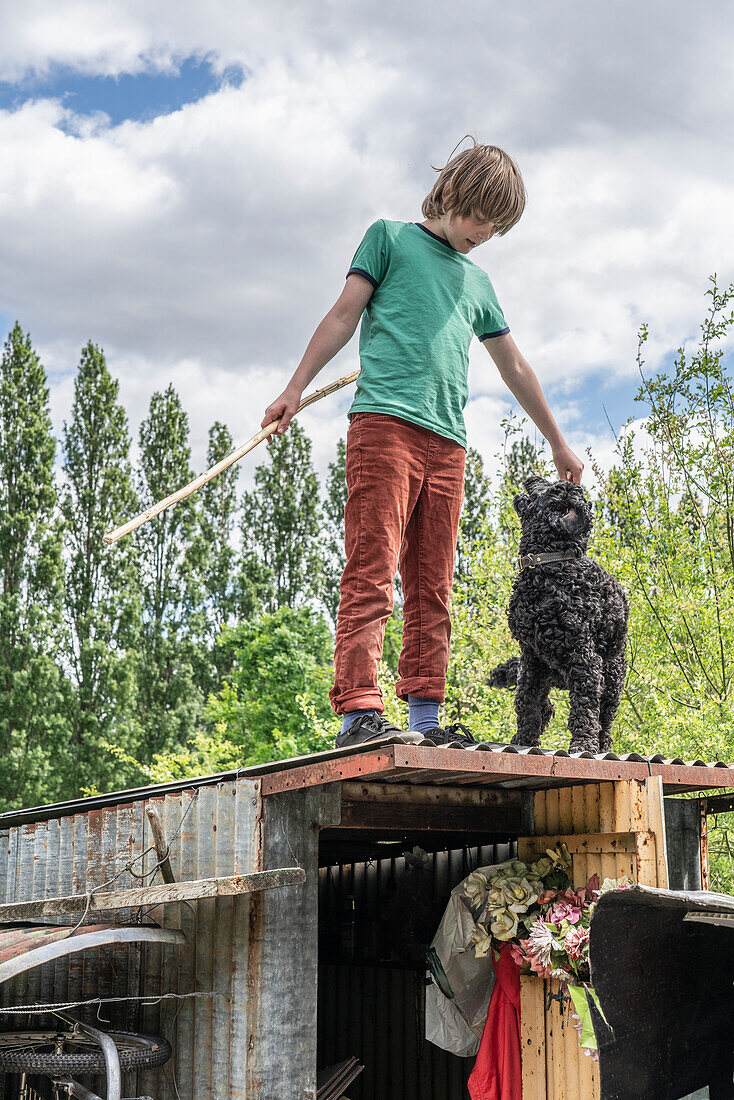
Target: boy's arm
336,330
520,379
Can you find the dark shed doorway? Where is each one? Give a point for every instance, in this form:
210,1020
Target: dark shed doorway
380,902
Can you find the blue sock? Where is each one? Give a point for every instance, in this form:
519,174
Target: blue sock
350,716
423,714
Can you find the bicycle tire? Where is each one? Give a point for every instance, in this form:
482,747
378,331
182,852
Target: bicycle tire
23,1051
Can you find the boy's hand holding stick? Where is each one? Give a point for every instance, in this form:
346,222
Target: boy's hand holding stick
234,456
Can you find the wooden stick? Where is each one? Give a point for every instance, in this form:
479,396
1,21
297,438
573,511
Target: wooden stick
154,895
160,843
229,460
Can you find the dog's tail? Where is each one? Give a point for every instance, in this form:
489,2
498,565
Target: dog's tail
505,676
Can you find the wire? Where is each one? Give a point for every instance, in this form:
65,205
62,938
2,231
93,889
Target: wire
129,867
147,1002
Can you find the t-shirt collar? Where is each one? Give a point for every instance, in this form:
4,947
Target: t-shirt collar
436,237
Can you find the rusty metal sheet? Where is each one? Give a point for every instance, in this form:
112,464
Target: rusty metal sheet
534,768
80,851
24,948
424,765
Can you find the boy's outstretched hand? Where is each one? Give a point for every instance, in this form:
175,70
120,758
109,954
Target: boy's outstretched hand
568,465
284,408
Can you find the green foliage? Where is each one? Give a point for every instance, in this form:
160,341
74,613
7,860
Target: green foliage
33,752
277,697
335,502
281,523
170,699
474,515
668,534
216,599
664,524
180,652
102,591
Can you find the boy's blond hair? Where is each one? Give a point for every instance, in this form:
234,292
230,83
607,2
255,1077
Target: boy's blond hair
482,181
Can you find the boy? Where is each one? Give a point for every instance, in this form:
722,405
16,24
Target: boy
422,299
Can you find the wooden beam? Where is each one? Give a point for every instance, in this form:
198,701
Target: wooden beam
160,843
427,794
432,809
154,895
583,843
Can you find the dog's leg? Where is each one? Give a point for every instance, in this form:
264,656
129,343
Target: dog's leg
585,685
532,705
615,671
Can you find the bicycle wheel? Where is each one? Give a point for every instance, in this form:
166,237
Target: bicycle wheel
66,1051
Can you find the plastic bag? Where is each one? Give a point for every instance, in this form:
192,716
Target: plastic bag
455,1022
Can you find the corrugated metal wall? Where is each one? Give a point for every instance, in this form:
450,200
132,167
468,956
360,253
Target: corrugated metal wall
219,836
683,842
371,1006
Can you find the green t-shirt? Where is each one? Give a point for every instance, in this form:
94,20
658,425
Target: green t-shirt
429,301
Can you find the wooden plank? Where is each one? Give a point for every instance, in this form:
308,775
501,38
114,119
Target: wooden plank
155,895
646,860
532,1038
580,868
541,817
591,808
159,842
404,816
597,843
427,795
578,812
553,817
656,819
571,1054
705,877
565,812
554,1031
606,808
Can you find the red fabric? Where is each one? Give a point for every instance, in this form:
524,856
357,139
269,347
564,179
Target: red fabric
497,1073
405,491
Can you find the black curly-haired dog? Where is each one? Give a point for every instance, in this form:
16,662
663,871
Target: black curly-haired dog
570,618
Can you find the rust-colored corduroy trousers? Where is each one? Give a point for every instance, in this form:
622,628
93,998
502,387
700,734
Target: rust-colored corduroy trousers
406,487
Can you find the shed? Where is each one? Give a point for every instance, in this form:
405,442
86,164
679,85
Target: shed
293,979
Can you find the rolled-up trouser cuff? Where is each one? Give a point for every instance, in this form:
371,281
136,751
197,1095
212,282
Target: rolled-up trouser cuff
425,687
357,699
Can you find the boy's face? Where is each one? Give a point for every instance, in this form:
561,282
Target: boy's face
466,233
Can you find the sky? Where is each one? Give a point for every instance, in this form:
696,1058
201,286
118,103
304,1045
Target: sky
185,185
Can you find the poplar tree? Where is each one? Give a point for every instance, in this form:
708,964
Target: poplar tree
219,598
281,524
335,502
34,756
169,699
102,598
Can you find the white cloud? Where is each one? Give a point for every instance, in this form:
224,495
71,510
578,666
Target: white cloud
203,246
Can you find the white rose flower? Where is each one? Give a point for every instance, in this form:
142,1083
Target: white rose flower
496,898
503,924
520,895
541,867
475,888
482,941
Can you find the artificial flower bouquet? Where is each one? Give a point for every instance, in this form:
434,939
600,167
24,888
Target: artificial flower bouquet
534,908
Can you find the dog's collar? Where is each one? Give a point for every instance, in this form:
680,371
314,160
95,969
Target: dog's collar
529,561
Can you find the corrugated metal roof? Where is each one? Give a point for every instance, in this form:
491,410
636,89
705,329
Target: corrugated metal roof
484,765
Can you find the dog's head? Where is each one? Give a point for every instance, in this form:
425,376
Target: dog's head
554,515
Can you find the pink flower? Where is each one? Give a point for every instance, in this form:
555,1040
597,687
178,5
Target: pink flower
564,910
593,884
518,953
538,968
574,943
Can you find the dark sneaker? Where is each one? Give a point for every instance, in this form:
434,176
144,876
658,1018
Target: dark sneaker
453,737
373,727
